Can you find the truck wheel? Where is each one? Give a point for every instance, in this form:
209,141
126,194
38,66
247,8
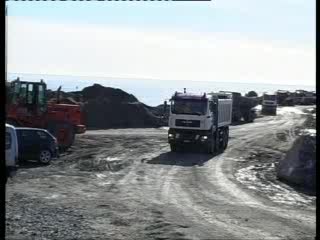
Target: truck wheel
252,116
246,116
210,145
67,139
226,139
221,141
70,137
173,147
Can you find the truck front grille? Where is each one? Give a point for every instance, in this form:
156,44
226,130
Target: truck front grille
187,123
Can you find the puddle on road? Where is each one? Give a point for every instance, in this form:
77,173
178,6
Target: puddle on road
254,177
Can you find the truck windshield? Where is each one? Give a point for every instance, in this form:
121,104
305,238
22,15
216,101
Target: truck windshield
191,107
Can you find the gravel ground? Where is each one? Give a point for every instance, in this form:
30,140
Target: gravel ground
125,184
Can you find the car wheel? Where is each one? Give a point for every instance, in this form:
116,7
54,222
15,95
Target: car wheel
45,157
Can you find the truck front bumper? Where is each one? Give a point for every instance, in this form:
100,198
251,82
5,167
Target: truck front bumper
199,137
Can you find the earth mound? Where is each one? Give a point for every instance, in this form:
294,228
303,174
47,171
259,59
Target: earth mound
106,107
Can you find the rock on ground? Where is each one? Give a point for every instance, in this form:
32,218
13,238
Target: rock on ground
299,165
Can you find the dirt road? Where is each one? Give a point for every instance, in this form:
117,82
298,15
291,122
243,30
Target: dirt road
125,184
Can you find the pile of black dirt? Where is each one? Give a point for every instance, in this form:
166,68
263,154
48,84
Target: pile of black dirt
103,114
106,107
112,94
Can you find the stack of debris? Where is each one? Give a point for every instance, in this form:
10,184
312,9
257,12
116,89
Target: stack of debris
106,107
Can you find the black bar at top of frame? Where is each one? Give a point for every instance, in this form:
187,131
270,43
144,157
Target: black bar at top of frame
109,0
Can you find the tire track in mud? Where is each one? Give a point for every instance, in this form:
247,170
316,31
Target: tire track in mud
138,185
221,212
160,195
197,193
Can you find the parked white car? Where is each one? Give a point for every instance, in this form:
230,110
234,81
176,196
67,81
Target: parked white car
11,151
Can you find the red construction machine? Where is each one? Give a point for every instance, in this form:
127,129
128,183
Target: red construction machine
27,106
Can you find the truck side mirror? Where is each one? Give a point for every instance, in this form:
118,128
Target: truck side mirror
211,106
165,105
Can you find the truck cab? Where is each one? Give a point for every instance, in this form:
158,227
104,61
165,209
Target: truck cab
199,119
269,104
11,151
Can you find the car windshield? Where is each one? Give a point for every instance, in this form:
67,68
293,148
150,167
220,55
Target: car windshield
187,106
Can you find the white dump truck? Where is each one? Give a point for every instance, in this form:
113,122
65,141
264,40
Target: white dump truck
202,120
269,104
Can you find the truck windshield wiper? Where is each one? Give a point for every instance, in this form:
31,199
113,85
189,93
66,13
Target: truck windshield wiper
197,113
189,113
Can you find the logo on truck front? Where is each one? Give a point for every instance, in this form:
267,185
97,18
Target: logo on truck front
186,121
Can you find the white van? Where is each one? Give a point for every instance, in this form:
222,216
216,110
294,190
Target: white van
11,151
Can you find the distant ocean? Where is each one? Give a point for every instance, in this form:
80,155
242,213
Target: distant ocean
149,91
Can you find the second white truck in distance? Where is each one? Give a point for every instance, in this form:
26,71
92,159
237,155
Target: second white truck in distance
269,104
200,120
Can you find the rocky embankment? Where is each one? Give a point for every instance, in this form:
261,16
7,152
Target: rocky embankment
298,168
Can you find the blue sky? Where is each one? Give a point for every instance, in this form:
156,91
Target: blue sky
286,28
274,19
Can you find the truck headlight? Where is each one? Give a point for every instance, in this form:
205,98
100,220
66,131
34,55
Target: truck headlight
170,135
204,138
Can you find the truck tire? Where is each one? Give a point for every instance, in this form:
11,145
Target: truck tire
65,143
173,147
223,144
226,139
210,145
70,137
252,116
246,116
221,141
